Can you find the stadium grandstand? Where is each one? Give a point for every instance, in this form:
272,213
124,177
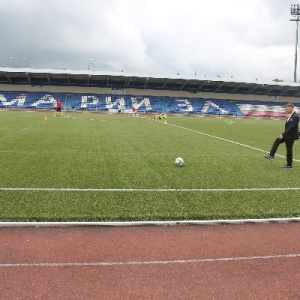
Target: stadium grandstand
38,89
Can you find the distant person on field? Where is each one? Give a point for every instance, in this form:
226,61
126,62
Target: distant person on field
73,107
58,107
290,134
159,116
134,110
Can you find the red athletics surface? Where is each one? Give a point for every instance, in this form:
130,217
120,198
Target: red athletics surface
250,261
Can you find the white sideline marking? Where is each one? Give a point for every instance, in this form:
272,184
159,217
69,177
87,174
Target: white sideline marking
153,262
230,141
152,223
148,190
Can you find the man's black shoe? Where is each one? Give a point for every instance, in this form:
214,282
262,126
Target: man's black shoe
287,166
267,156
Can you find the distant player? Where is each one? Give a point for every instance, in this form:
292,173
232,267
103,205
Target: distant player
159,116
58,107
134,110
73,107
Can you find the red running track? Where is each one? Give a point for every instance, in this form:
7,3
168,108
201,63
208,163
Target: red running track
250,261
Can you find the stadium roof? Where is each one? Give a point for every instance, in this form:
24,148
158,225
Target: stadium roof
120,80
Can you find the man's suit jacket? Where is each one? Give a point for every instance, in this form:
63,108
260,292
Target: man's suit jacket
291,131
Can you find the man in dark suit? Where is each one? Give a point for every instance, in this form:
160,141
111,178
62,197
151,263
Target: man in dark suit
290,134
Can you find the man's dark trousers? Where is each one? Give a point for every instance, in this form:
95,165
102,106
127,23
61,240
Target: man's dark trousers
289,149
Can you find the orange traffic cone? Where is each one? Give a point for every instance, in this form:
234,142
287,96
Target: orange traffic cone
45,118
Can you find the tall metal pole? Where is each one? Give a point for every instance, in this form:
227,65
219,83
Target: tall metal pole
195,69
296,56
295,12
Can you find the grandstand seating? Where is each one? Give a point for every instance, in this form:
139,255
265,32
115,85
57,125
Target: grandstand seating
106,102
262,109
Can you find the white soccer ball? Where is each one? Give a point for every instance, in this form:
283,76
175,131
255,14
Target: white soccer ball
179,161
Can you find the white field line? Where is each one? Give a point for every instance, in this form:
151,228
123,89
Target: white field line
151,223
148,190
229,141
153,262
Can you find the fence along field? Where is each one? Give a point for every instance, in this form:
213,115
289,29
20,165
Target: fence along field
110,167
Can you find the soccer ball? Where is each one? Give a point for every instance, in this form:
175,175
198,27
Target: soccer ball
179,161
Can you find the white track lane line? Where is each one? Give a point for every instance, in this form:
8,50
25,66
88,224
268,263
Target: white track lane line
153,262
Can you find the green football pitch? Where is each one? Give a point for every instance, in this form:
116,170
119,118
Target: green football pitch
110,167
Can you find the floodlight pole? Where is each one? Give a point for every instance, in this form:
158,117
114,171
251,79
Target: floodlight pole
18,60
195,69
91,62
295,12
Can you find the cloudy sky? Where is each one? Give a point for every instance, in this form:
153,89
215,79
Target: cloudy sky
243,39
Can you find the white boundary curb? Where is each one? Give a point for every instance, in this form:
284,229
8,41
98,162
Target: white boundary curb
144,223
